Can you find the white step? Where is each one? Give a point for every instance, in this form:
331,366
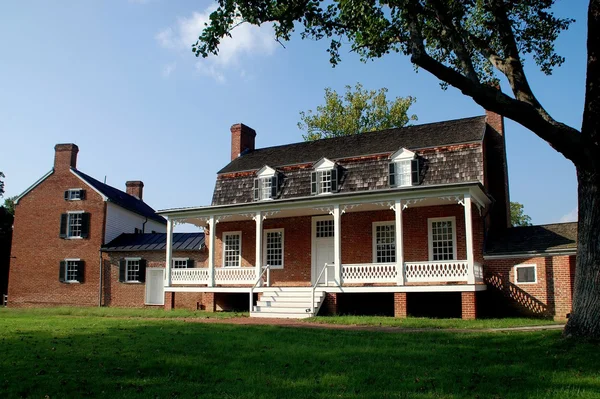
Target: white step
293,293
282,315
269,309
289,298
287,304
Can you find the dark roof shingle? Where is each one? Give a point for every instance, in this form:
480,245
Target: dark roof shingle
412,137
533,239
155,242
121,198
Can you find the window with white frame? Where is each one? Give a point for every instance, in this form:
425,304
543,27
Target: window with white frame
403,169
442,239
71,273
132,270
232,249
273,248
75,224
266,184
324,228
384,242
324,178
74,194
526,274
180,263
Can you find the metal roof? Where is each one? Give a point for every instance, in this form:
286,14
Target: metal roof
129,242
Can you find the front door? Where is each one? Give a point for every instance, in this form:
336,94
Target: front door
322,247
155,286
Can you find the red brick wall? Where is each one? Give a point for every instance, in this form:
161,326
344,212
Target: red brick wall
37,248
550,296
469,305
400,305
120,294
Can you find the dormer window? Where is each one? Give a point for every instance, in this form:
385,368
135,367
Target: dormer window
266,184
324,178
403,169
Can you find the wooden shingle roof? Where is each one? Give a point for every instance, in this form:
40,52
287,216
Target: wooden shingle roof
533,239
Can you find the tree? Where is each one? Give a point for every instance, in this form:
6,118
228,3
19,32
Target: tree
467,45
518,216
357,111
1,184
9,204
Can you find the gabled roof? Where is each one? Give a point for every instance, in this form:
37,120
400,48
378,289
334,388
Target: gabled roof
121,198
128,242
534,239
466,130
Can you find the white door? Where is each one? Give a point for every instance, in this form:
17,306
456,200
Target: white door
322,243
155,286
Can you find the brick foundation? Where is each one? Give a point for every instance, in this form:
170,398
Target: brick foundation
331,303
400,308
469,305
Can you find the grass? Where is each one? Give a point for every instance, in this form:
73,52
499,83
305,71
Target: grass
59,356
120,312
418,322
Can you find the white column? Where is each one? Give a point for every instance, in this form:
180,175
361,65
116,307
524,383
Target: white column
399,243
259,242
469,238
211,251
337,244
169,255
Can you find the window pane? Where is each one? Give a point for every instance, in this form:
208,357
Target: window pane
180,263
133,270
385,243
232,250
74,224
442,243
324,228
324,179
71,271
526,274
264,188
274,252
404,173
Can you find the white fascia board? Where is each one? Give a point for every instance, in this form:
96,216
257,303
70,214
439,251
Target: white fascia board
360,197
531,254
104,197
34,185
389,288
402,154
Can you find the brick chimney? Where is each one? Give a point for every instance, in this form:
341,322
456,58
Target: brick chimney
65,156
242,139
497,170
135,188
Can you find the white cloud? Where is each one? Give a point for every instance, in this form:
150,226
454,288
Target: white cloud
168,69
246,41
571,216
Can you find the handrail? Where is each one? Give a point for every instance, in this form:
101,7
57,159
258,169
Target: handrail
314,287
266,269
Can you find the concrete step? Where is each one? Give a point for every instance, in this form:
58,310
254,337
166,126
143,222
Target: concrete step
281,315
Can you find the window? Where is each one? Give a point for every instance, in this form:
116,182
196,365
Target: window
232,249
442,239
181,263
71,271
403,169
324,178
526,274
384,242
132,270
266,184
74,194
74,225
324,228
273,248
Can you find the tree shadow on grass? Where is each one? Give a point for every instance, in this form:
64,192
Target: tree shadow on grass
62,357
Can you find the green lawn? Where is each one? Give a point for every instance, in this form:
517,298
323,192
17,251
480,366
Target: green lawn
88,356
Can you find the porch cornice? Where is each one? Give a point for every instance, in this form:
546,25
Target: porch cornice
475,189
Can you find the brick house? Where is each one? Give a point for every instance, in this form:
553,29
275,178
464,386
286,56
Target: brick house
61,223
396,219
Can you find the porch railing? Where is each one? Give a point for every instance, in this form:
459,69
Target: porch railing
369,273
223,275
436,272
259,281
189,276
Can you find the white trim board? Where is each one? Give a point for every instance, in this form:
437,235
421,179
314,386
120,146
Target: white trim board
366,290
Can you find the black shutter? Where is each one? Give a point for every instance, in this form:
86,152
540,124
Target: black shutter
274,186
256,181
82,194
313,183
334,179
80,271
414,168
142,275
190,263
85,225
67,195
122,270
61,271
392,174
64,221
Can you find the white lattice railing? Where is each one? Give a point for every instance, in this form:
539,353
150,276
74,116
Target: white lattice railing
435,272
189,276
369,273
235,275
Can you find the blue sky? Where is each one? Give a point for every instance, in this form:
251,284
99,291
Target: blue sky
118,78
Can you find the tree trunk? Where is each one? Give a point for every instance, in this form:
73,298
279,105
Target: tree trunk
585,318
